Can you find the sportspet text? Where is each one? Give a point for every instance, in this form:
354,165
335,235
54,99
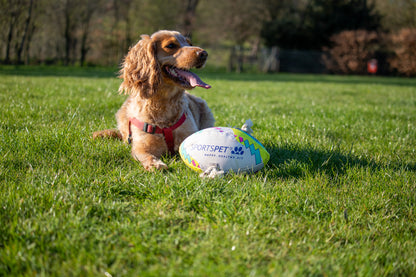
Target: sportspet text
211,148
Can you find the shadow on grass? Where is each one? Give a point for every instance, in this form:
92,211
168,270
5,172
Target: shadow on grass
294,162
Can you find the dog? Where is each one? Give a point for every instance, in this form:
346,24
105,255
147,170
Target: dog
158,113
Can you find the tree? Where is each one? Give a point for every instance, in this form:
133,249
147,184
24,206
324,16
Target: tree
236,22
27,29
69,26
350,51
12,12
286,24
18,18
310,26
396,14
189,17
88,8
403,44
73,20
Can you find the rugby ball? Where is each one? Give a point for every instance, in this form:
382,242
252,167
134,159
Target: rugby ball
228,149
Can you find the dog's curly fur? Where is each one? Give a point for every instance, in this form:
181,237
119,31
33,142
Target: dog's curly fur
158,98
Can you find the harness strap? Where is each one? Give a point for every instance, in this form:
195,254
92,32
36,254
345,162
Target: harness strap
153,129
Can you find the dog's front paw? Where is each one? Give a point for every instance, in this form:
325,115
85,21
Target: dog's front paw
159,165
149,161
155,164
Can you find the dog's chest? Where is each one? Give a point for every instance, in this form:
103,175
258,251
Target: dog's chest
188,128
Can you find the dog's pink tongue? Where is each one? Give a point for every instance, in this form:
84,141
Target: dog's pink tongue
193,79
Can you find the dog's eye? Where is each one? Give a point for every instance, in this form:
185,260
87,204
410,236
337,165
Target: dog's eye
171,46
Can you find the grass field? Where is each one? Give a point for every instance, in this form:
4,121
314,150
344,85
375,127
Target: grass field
337,198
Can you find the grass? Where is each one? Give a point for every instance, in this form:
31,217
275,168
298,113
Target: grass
337,198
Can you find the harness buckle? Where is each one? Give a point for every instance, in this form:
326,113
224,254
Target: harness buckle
149,128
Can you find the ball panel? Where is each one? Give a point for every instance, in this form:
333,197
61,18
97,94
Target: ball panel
189,161
251,143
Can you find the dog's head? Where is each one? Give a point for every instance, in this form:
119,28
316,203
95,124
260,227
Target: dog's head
164,58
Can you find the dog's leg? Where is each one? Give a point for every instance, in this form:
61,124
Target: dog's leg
150,161
112,133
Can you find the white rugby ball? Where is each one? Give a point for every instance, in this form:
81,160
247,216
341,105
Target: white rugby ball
229,149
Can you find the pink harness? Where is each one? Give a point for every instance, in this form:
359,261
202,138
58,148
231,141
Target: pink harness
153,129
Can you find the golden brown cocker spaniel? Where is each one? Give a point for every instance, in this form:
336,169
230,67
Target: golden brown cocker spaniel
159,114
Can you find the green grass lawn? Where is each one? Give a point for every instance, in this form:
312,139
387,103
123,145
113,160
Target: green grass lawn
338,196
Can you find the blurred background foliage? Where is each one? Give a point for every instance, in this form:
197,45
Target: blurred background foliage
241,33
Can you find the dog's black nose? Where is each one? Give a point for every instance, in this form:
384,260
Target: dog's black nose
203,54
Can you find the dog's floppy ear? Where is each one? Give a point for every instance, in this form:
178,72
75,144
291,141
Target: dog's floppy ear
140,70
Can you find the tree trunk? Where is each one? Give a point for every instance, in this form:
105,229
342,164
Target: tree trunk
86,20
231,60
67,33
13,21
22,42
84,47
9,40
29,40
189,18
128,35
240,59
